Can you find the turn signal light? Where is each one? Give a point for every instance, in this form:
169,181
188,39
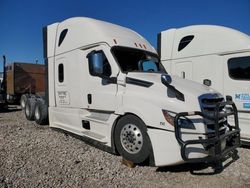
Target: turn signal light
168,117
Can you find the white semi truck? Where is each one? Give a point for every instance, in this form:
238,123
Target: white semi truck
213,55
105,83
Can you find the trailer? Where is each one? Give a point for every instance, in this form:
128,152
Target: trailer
22,80
106,85
213,55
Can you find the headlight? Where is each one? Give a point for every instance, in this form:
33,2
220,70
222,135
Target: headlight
183,122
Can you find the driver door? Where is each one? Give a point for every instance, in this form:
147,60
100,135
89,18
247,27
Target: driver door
99,92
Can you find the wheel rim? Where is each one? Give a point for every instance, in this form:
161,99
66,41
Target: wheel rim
37,114
131,138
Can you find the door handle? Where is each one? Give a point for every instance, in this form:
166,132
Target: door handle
89,96
183,74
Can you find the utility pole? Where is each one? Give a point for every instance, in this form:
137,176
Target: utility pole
4,86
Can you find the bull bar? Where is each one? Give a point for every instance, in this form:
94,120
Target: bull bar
232,136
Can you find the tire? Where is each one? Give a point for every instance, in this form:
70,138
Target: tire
41,113
131,139
23,101
30,108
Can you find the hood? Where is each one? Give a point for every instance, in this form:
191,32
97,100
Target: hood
187,87
174,95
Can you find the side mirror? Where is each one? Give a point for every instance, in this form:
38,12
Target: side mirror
95,63
99,66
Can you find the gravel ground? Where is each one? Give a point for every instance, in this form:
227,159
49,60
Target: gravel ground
35,156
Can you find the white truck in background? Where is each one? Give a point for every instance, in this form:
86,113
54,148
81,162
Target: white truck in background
213,55
105,84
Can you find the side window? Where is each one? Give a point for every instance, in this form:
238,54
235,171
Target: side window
62,36
239,68
98,64
60,73
185,41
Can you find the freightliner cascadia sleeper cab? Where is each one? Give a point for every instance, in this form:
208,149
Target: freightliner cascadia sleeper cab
105,83
214,55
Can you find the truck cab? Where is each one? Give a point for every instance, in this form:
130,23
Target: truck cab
106,84
213,55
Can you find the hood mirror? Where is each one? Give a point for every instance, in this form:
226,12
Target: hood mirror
166,78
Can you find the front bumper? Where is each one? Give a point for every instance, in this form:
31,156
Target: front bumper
215,151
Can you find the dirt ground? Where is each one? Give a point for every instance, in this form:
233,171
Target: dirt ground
35,156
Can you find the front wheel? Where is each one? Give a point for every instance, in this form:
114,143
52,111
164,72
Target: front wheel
131,139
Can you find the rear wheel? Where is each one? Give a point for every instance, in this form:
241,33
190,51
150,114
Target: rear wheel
30,108
131,139
41,113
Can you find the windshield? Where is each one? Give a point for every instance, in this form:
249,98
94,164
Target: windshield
133,60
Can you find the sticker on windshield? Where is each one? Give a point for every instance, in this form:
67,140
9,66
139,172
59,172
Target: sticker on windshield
242,97
246,105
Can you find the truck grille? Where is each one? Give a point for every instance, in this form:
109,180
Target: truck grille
208,104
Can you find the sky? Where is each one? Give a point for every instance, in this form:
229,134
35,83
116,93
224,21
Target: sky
21,21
